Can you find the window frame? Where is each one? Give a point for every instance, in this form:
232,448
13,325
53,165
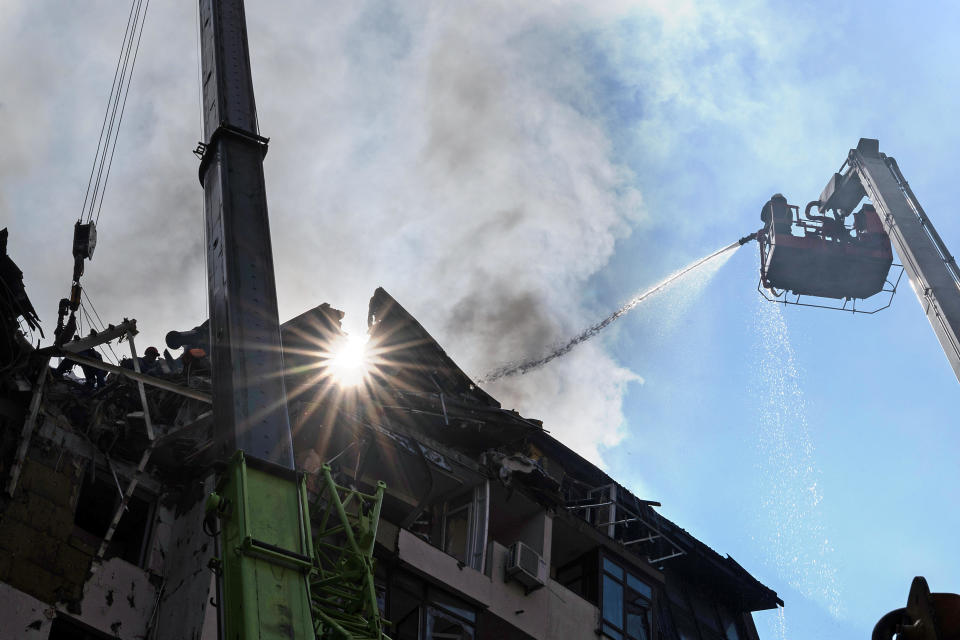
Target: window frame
430,600
475,503
608,628
686,606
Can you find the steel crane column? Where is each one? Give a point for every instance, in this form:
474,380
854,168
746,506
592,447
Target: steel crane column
250,410
264,558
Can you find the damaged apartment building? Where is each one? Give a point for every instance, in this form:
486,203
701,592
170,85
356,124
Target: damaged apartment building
490,528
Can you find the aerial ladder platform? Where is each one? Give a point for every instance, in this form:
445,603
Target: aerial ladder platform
822,255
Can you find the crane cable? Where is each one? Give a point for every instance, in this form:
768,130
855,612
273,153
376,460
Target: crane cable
85,229
100,326
113,116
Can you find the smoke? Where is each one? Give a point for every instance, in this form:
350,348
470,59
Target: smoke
462,154
451,154
467,157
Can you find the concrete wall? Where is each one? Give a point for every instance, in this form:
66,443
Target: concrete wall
535,532
24,617
39,553
118,600
185,610
547,613
569,615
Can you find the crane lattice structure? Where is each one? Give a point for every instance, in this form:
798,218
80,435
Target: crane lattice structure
342,592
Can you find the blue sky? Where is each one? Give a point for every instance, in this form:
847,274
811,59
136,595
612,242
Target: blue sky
858,472
512,172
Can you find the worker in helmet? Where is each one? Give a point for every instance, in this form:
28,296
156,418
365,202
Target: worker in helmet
776,213
150,363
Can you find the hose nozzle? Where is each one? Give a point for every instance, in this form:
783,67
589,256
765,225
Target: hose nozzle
745,239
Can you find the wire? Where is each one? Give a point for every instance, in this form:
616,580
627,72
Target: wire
110,131
123,106
116,106
102,326
106,116
115,101
109,135
90,302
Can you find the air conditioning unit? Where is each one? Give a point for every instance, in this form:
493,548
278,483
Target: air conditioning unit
526,567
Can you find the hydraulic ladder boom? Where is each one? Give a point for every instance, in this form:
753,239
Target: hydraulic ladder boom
932,269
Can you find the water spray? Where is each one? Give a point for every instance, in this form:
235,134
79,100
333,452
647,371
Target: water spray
521,368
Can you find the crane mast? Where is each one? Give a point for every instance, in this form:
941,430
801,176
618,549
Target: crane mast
265,551
932,270
271,583
249,398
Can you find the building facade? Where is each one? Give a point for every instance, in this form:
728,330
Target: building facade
490,528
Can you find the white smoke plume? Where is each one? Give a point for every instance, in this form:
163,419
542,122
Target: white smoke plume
460,155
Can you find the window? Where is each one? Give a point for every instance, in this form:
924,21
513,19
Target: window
456,520
706,612
581,577
97,504
420,612
571,576
698,616
465,526
729,621
625,603
449,619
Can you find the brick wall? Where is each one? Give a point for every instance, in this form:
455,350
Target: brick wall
40,554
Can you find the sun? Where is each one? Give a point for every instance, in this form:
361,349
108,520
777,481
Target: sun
349,362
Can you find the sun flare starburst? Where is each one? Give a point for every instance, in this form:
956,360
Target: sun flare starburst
349,362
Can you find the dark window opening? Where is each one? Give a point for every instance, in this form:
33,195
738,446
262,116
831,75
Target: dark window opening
68,629
96,506
731,628
580,576
698,616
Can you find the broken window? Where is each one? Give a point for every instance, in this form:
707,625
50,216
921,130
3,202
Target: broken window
421,612
626,603
97,505
442,624
465,526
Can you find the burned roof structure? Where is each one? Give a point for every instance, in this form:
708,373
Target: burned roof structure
490,527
